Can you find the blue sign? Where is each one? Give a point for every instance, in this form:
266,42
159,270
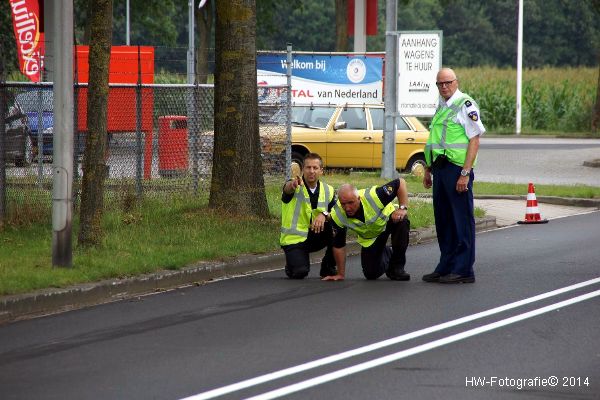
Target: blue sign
329,79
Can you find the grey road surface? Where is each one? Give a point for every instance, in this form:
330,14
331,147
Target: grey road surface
538,160
193,340
512,160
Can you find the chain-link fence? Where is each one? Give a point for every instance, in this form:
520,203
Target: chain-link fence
160,140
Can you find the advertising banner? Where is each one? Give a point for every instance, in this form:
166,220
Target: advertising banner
26,25
326,79
419,60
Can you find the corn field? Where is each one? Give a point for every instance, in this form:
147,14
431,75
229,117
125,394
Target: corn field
553,99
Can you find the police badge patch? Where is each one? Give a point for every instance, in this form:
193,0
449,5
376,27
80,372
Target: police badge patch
388,189
473,115
468,103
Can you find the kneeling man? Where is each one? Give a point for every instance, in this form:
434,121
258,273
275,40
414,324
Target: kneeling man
372,216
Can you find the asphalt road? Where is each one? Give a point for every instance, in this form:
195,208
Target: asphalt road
538,160
428,341
501,159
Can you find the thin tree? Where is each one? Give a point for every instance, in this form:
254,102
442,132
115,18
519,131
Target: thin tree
596,116
237,179
94,160
341,25
204,21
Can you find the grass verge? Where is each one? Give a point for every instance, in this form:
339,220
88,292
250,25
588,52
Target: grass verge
170,232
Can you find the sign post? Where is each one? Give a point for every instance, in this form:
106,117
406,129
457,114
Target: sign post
388,147
419,60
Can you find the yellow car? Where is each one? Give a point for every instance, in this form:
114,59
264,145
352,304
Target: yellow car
352,136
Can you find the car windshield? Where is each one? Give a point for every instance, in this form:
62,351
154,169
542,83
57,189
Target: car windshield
30,100
311,117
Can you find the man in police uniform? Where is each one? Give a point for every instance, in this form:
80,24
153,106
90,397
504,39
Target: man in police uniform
372,216
305,205
451,154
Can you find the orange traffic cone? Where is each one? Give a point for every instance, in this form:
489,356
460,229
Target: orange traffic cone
532,213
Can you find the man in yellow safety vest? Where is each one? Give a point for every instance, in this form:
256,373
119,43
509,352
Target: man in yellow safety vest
451,154
371,214
305,205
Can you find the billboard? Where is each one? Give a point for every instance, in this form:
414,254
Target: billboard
419,60
326,79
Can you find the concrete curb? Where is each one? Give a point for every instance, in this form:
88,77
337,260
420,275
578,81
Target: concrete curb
50,301
560,201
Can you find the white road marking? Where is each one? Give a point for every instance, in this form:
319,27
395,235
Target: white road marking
573,215
378,345
416,350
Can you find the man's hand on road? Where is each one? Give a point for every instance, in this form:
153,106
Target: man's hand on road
337,277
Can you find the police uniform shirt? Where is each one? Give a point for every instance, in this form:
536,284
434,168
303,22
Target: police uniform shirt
312,195
386,193
469,116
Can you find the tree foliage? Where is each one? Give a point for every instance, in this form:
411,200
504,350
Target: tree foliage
309,26
7,38
556,32
151,22
476,32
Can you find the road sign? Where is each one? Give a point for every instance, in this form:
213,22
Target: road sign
419,60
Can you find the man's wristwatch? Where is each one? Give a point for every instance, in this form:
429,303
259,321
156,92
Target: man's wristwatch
325,213
403,207
464,172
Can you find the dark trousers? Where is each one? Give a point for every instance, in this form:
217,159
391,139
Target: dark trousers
297,256
378,258
454,221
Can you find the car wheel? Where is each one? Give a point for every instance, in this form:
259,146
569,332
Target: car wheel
298,158
27,153
416,164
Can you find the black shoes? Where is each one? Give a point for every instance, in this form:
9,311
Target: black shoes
401,275
450,278
432,277
455,278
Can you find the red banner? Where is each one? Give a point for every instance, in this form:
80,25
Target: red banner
371,17
30,45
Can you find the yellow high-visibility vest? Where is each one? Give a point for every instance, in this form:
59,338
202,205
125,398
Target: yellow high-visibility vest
376,217
297,214
447,136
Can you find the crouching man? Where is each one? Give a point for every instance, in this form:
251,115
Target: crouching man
372,216
305,206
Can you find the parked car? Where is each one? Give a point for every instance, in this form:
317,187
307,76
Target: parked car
40,103
36,104
351,136
19,149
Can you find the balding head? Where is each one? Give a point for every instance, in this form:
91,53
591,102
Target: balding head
347,190
447,82
349,199
446,74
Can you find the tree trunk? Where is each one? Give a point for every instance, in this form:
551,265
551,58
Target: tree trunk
94,161
237,179
596,116
341,25
204,20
